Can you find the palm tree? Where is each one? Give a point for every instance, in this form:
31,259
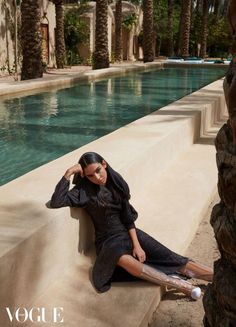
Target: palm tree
101,53
219,298
59,35
185,22
205,11
118,31
148,48
170,28
15,39
31,40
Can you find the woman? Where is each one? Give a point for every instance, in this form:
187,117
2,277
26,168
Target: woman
123,251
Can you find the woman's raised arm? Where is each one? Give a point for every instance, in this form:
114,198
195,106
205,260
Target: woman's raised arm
62,196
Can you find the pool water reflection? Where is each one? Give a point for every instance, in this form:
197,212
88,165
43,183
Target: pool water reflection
38,128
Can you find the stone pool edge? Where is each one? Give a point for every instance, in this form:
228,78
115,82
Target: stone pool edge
69,79
62,80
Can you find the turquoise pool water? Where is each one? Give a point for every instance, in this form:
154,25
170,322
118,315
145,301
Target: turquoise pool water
38,128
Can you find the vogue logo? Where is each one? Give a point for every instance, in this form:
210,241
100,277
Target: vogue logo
36,315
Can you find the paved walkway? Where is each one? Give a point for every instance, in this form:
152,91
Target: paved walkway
67,71
51,72
64,77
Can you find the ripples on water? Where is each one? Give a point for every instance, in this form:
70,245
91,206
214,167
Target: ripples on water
38,128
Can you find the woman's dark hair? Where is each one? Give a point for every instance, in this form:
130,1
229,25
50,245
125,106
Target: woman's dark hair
86,159
90,158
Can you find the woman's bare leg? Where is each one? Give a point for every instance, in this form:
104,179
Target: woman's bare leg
197,270
130,264
143,271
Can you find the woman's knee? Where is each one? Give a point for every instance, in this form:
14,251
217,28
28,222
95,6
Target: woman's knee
123,260
130,264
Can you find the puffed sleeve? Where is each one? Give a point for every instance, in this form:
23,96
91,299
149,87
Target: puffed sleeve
129,215
63,197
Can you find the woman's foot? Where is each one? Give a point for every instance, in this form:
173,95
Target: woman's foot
196,293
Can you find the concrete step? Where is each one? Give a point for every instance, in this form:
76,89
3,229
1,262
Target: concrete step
82,306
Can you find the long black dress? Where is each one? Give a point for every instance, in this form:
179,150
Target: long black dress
113,216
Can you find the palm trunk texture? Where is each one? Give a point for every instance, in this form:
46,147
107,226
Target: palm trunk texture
185,30
203,50
101,54
31,40
118,31
170,28
220,297
148,51
60,40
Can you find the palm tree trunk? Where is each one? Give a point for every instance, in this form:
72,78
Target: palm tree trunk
204,28
180,31
219,298
170,40
101,53
60,39
232,22
186,24
31,40
118,31
15,40
148,51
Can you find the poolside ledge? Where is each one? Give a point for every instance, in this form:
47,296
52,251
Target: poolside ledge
168,159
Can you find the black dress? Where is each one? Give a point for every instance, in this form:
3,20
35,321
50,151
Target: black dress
113,216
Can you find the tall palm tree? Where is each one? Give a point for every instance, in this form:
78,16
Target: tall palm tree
170,28
148,46
219,298
205,11
31,40
185,28
59,35
101,53
15,38
118,31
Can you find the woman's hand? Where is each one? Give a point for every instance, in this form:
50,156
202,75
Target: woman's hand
74,170
139,253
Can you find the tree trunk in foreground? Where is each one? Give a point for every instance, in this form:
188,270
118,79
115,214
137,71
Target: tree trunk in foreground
220,297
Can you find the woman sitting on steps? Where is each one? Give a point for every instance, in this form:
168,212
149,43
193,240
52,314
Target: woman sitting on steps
123,251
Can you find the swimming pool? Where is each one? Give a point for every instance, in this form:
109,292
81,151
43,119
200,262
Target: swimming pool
39,128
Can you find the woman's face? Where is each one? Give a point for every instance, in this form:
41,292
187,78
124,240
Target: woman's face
96,173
